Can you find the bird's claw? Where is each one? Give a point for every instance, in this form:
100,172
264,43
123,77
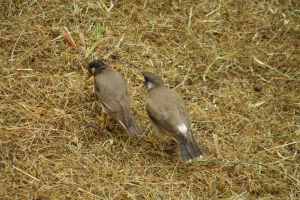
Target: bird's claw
151,140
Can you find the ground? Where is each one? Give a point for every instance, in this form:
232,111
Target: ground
235,64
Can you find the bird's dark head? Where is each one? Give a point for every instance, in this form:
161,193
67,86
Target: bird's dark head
96,67
152,80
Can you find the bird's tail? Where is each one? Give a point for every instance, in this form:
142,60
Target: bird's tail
190,150
133,128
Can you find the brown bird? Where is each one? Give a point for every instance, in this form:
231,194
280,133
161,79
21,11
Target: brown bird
169,117
111,89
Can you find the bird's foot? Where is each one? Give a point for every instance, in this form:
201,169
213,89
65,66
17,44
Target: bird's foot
103,120
151,140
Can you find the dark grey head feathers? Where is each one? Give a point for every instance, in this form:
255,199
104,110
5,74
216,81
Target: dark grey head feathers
96,67
152,80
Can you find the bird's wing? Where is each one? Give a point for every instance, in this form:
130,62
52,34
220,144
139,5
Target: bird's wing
183,112
164,113
115,96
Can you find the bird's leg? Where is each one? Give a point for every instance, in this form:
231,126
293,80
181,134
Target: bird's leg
103,119
151,140
108,124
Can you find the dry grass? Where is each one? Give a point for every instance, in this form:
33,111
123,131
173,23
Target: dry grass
53,147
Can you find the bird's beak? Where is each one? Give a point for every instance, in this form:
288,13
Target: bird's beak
141,79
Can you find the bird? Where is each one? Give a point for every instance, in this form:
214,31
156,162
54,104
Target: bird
112,91
169,117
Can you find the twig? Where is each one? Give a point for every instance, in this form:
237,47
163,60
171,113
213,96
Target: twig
108,9
26,173
111,6
97,158
284,145
32,3
216,145
68,36
190,18
115,49
264,64
12,53
207,69
186,76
